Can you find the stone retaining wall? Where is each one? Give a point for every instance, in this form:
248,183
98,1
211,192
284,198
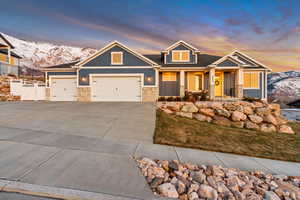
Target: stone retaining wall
241,114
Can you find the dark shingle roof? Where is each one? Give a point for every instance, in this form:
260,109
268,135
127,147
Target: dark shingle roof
65,65
7,42
4,51
203,60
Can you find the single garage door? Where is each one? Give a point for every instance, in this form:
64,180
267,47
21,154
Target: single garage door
63,89
116,88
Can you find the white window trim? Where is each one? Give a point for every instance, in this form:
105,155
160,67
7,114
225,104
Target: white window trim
252,88
180,55
111,58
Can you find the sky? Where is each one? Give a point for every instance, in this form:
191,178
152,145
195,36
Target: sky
266,30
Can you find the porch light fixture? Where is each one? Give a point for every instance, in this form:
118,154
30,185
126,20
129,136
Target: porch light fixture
84,79
149,79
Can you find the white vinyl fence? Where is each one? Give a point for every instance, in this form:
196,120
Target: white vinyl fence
28,91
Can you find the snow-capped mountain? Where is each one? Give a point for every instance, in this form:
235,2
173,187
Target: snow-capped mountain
284,87
41,54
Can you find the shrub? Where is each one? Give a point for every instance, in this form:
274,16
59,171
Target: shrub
177,99
170,99
251,99
162,99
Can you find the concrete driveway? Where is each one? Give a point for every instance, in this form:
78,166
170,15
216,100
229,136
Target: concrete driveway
90,147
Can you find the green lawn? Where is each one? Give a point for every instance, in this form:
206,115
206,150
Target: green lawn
183,132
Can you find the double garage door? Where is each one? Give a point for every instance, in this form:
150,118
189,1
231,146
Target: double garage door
106,88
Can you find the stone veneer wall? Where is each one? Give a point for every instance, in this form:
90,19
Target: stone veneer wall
84,94
47,94
149,94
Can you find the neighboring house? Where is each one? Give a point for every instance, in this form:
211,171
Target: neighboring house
295,104
118,73
9,61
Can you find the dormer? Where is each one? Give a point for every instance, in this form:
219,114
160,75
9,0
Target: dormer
180,53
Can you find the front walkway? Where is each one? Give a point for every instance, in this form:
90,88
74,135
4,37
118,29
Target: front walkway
100,161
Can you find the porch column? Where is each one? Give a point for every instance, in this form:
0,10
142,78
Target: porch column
239,83
211,88
8,55
182,83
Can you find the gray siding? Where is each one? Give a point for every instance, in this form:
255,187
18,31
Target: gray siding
60,73
169,88
255,93
227,63
229,84
148,72
104,59
180,47
206,81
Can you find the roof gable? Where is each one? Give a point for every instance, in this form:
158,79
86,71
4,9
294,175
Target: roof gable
227,63
3,40
117,46
182,43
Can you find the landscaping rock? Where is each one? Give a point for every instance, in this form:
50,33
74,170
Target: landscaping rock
261,111
208,192
167,190
239,124
189,108
286,129
238,116
167,111
189,181
223,112
207,111
251,125
281,120
255,118
268,128
185,114
270,119
202,118
248,110
223,121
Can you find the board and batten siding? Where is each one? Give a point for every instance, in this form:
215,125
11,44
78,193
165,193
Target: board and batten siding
256,93
169,88
104,59
148,72
180,47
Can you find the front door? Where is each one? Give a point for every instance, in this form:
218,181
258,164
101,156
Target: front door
219,84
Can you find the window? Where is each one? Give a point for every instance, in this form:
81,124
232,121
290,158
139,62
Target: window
251,80
195,81
181,56
169,76
116,58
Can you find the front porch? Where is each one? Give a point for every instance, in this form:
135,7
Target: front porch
221,85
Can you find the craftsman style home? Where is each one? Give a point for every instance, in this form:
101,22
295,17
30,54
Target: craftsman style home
118,73
9,61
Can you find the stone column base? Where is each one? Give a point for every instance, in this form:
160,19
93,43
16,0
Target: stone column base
149,94
47,94
84,94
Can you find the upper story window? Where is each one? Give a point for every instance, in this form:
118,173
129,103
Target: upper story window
116,58
180,55
251,80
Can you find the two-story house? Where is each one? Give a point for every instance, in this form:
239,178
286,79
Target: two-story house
9,61
118,73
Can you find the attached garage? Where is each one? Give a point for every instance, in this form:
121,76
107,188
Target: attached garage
63,89
116,88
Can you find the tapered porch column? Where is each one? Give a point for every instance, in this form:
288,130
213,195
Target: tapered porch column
239,83
211,87
182,83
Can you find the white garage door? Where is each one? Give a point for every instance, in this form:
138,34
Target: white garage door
116,88
63,89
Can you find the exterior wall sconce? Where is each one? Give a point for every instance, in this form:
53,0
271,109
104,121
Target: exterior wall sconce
149,79
84,79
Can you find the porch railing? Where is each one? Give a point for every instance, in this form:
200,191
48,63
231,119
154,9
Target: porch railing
8,69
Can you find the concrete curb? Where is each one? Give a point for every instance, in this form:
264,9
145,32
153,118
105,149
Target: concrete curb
55,192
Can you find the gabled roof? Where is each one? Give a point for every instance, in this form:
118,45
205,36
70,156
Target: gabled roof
6,41
181,42
111,45
250,59
203,60
4,51
228,57
63,66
